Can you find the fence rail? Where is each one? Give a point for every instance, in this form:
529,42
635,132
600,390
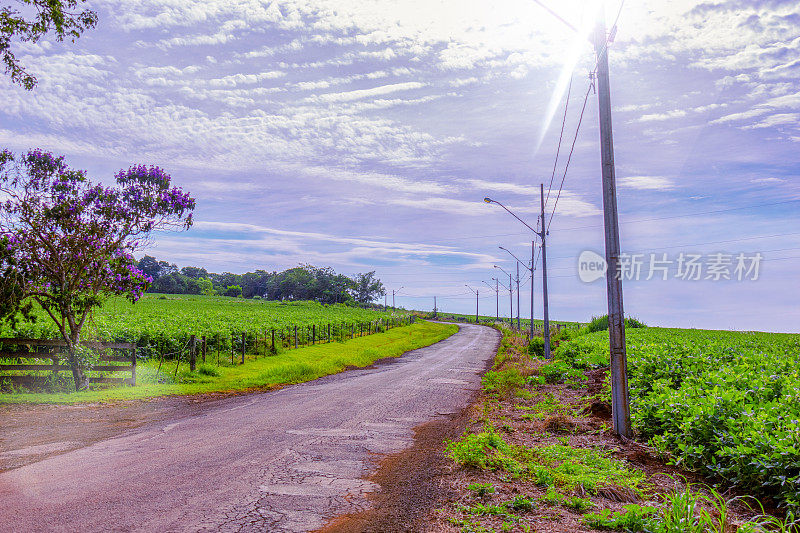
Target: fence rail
54,349
194,349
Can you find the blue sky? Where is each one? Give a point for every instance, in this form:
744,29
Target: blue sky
364,134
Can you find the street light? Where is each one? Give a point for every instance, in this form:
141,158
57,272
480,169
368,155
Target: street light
532,270
496,290
542,235
393,293
510,298
476,301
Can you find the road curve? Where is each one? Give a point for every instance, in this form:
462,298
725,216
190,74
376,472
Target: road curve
287,460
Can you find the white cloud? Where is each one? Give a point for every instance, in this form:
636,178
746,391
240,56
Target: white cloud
651,117
366,93
646,183
778,119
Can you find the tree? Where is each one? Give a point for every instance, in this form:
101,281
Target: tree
175,283
67,243
149,267
233,290
206,287
194,272
58,16
368,288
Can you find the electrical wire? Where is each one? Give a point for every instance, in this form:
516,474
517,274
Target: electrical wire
560,137
592,76
569,158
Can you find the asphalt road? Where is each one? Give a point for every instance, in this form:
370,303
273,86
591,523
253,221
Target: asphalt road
288,460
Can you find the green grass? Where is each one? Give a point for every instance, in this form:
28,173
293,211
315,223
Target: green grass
555,465
726,404
688,509
294,366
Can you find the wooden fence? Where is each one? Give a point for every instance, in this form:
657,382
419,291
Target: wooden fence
191,349
211,347
39,350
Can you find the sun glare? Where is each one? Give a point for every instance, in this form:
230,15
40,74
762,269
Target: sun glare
577,47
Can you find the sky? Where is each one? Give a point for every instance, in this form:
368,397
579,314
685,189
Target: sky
364,135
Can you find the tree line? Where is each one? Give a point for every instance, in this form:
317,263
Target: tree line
304,282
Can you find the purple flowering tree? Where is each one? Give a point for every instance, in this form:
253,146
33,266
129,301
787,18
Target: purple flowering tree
67,243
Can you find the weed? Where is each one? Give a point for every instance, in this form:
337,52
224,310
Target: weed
534,381
485,450
208,370
553,497
502,382
521,504
578,504
481,489
634,518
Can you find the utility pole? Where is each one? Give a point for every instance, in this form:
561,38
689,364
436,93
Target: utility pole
529,269
496,290
543,236
497,299
434,307
620,402
393,293
518,327
476,291
533,270
385,307
510,302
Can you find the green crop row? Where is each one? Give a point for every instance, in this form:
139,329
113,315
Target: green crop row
726,404
163,323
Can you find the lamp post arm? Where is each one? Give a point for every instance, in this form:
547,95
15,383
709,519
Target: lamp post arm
515,216
525,265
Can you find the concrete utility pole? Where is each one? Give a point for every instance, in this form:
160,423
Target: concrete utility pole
510,302
543,236
620,402
510,298
434,307
529,269
496,290
533,271
393,293
518,326
497,299
476,301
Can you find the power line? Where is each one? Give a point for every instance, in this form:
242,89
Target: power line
569,159
632,220
560,137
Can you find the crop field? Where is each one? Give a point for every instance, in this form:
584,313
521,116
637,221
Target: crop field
257,373
726,404
163,323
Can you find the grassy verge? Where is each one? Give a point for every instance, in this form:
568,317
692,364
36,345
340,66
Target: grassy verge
295,366
540,457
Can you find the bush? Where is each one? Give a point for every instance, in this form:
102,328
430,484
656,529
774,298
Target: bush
536,346
600,323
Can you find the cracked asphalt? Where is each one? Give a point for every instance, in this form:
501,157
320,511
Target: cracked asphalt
289,460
